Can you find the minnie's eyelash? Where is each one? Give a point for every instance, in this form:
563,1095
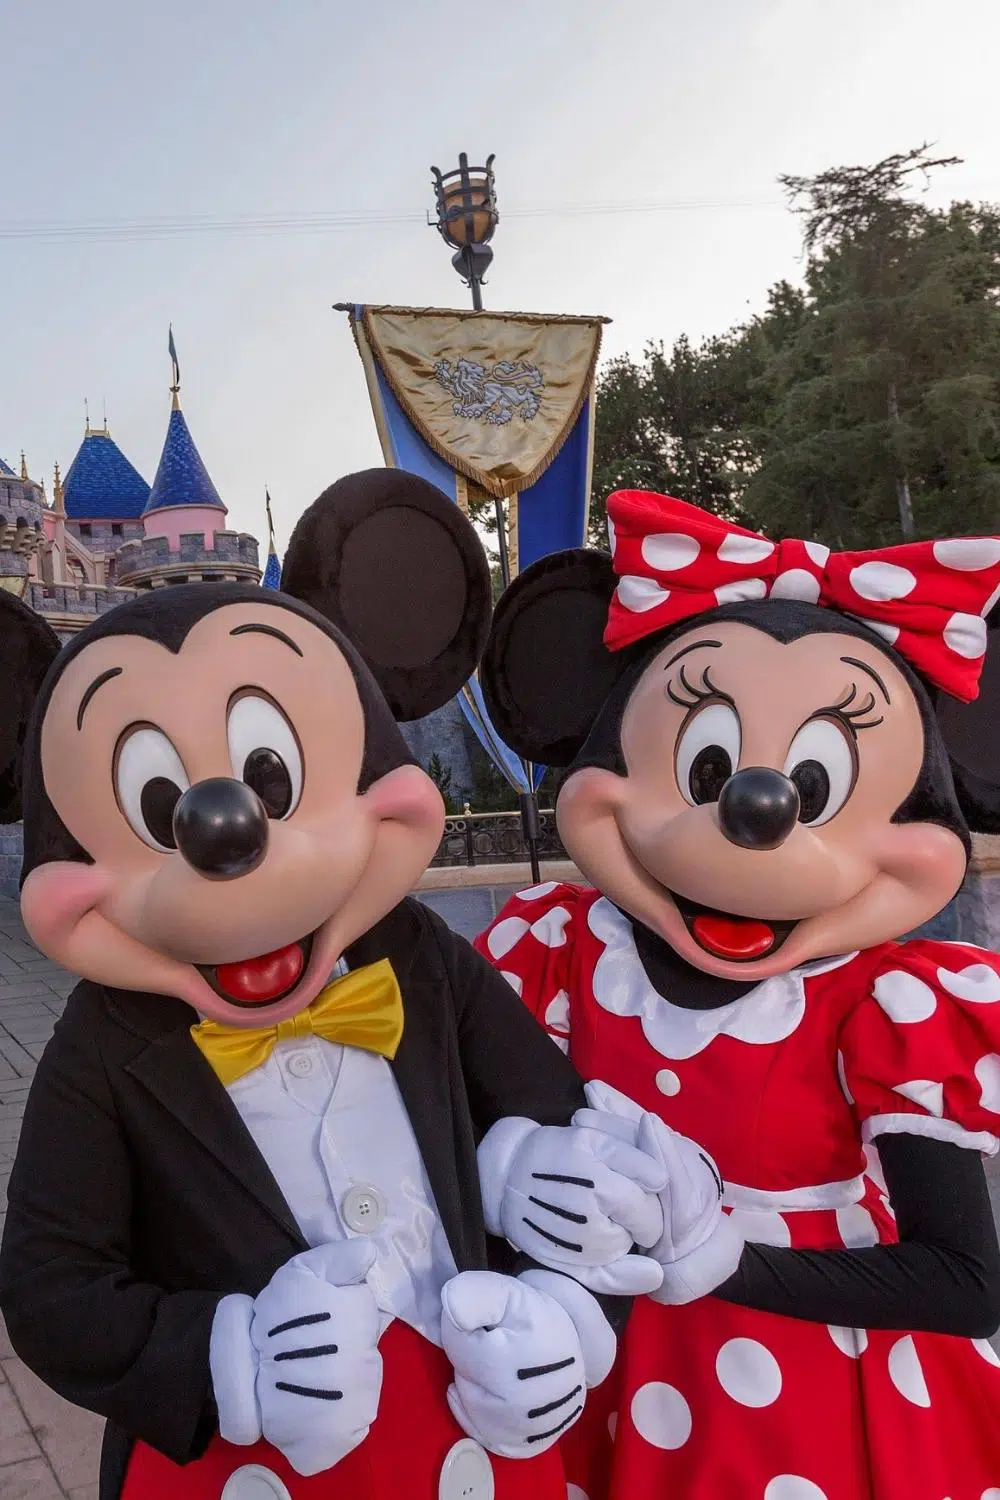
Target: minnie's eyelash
697,692
854,718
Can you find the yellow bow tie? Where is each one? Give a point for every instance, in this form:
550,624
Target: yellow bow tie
363,1009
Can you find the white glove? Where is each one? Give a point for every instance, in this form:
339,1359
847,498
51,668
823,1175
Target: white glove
524,1350
299,1365
575,1200
700,1246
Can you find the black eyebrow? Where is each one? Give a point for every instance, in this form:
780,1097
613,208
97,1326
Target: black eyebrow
97,682
696,647
279,635
852,661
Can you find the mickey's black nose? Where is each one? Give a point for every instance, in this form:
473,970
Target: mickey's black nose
221,828
758,808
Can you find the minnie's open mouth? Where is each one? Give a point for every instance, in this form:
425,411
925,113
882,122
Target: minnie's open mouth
725,935
261,980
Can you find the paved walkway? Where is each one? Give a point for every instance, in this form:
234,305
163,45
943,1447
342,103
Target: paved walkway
49,1450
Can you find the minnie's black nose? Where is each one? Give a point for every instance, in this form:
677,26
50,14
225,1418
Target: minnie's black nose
758,808
221,828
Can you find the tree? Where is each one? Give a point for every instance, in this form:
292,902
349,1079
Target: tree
441,777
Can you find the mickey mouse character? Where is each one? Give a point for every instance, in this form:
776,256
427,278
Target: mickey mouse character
759,789
244,1222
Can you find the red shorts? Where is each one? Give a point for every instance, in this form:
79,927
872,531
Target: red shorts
402,1456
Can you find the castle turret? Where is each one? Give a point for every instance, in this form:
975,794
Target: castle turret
20,526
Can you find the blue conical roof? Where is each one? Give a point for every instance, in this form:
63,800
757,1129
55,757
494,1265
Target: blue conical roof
6,470
102,484
181,478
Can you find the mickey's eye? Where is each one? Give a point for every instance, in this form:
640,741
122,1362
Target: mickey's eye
823,764
149,782
708,752
265,753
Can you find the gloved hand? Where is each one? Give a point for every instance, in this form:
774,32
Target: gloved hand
699,1247
575,1199
524,1350
299,1365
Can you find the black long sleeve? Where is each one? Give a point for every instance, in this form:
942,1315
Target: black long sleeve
943,1276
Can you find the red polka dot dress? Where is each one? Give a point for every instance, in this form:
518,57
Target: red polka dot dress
789,1087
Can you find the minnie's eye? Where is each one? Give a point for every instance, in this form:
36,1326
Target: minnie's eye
708,753
823,765
149,782
265,753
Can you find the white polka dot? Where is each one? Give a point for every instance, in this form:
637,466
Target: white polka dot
966,636
536,892
640,594
842,1075
903,997
762,1226
613,1425
856,1226
574,1492
889,633
551,929
905,1372
850,1341
922,1091
968,553
819,554
562,1042
514,980
988,1078
978,984
669,550
796,584
506,935
661,1415
737,593
745,549
557,1012
993,1493
667,1082
881,581
793,1487
612,536
873,1167
748,1372
986,1351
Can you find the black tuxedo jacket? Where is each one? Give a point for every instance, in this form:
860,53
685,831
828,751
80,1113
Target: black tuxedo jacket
138,1198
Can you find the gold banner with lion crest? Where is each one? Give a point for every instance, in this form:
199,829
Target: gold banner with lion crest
495,395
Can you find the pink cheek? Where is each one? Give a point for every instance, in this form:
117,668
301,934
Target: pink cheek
56,897
405,795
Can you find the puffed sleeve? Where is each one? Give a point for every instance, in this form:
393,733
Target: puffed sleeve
531,943
920,1052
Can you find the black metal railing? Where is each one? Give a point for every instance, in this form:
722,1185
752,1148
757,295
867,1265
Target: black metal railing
494,839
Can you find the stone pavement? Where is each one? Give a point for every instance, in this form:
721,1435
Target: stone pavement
50,1450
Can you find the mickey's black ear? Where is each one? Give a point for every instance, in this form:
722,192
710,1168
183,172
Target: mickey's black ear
546,671
395,565
972,737
28,647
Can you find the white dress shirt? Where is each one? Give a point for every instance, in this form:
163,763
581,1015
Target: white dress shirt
331,1125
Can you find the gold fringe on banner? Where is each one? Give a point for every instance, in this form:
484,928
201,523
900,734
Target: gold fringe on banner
455,373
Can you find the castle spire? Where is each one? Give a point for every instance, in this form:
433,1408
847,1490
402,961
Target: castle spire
175,389
58,504
24,466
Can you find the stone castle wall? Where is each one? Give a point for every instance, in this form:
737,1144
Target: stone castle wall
231,549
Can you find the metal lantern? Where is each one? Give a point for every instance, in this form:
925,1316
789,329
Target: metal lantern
467,218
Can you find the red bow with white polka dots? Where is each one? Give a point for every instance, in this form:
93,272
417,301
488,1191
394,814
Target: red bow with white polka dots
927,599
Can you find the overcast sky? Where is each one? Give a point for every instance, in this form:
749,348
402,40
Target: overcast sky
124,111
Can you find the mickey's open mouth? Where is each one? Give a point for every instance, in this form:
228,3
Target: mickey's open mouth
725,935
261,980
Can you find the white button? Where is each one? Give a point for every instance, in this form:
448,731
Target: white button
254,1482
363,1209
466,1473
301,1064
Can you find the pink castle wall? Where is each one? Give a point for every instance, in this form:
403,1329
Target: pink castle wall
174,519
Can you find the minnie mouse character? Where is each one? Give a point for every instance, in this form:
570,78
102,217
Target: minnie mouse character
244,1222
759,790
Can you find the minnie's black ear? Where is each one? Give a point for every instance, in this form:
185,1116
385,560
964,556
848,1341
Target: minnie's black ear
972,737
28,647
395,565
546,672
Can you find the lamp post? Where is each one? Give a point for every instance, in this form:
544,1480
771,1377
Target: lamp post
467,218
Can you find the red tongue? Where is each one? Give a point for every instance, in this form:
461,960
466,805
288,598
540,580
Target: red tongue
733,937
257,980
